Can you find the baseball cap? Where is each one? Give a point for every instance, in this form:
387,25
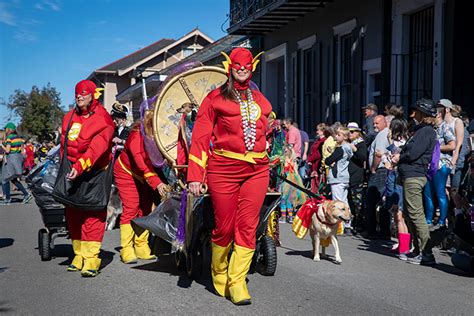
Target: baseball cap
11,126
353,126
370,106
446,103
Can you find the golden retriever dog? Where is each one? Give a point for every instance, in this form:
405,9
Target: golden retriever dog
324,224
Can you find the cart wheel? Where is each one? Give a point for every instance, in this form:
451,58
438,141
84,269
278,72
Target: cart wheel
44,246
267,262
194,262
180,260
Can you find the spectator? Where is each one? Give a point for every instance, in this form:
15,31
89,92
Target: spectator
339,173
315,156
329,145
356,174
12,168
436,187
29,156
303,168
413,162
293,136
398,136
370,112
376,183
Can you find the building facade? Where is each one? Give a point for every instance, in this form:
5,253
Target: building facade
325,60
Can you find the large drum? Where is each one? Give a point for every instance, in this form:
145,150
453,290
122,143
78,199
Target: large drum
191,86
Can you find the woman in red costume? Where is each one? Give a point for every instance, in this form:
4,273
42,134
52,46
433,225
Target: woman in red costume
30,156
89,143
135,179
235,119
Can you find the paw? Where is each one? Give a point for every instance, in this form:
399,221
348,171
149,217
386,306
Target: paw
316,258
338,260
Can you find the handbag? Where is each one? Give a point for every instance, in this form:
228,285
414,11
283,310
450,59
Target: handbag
89,191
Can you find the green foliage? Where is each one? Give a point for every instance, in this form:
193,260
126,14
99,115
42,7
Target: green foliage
39,110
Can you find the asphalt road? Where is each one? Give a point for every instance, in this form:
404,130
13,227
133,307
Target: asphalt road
369,281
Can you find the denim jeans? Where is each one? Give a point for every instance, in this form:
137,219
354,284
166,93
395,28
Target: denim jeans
436,189
17,183
393,191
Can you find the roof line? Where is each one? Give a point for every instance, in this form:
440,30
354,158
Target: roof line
135,52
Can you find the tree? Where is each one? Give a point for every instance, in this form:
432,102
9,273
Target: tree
39,110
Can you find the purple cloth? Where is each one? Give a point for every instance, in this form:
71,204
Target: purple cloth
304,139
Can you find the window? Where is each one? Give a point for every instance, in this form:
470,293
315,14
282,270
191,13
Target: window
188,51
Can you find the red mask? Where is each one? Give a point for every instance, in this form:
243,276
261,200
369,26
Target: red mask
241,58
85,87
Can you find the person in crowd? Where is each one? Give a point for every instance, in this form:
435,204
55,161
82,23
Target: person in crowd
370,112
338,161
278,139
398,136
12,169
291,197
293,136
356,175
119,116
235,117
413,162
376,182
315,157
136,180
435,190
303,166
329,145
457,127
89,144
29,156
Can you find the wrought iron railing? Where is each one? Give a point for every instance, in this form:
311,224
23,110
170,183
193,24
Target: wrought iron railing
242,9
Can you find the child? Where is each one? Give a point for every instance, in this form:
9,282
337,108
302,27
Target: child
339,167
290,196
397,138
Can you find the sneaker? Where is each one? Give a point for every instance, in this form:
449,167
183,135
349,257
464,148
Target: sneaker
404,256
436,227
347,231
423,259
289,219
6,202
27,198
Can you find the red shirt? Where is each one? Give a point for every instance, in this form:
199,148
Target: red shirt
219,120
136,161
89,140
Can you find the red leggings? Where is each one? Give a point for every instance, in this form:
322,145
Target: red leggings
137,197
237,190
86,225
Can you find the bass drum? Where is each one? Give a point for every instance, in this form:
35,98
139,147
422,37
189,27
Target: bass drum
189,86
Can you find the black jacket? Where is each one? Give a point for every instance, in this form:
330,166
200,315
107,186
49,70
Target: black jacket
416,154
356,164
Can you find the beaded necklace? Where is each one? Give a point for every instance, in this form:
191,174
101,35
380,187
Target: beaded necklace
249,111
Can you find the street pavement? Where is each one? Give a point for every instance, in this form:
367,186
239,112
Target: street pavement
369,281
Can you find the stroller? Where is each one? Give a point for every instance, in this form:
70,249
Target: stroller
40,181
193,251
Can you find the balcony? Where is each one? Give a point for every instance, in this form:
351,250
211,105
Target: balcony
258,17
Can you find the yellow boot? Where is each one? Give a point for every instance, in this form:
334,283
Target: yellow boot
90,251
238,268
78,261
142,249
127,253
219,265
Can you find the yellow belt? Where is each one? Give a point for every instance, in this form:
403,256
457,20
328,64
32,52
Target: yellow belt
248,156
130,172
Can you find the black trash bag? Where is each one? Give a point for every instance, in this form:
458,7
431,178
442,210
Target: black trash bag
163,221
41,181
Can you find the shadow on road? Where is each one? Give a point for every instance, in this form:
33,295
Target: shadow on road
3,308
65,251
6,242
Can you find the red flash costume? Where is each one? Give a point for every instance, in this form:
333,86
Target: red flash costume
237,173
88,147
135,179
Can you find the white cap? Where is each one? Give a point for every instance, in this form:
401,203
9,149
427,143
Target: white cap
446,103
353,126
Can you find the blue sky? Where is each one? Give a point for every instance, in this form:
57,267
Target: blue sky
63,41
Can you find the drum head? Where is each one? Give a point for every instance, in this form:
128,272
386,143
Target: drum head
190,86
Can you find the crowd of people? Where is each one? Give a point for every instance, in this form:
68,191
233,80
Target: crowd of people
395,171
408,167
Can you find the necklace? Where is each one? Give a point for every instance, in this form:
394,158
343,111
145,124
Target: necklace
249,112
